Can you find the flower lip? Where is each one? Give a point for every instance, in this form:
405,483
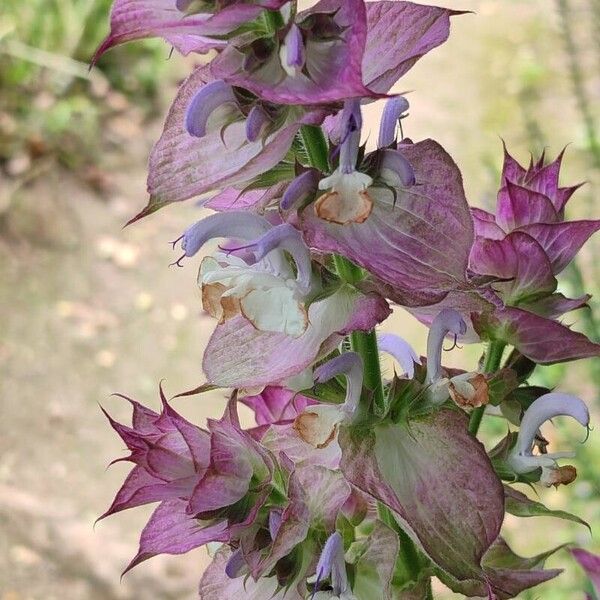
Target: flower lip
401,350
543,409
205,102
393,112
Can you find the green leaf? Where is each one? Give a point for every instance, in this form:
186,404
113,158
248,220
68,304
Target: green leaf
518,504
284,171
501,384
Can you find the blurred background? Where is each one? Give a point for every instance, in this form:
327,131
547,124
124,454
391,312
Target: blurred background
87,308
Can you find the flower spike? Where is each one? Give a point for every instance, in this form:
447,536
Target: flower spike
546,407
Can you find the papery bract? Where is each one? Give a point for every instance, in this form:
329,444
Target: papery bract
202,479
439,481
182,165
423,235
239,355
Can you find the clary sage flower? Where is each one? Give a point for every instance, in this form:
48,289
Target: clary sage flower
545,408
318,425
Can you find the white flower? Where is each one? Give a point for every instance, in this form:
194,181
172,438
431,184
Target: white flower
546,407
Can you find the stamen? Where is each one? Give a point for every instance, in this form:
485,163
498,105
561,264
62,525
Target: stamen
178,262
454,345
175,242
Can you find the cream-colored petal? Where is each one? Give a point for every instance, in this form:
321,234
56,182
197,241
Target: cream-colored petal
318,425
275,309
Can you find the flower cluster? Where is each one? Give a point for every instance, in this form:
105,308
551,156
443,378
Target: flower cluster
351,485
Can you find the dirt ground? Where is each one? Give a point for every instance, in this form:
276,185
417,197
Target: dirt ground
88,309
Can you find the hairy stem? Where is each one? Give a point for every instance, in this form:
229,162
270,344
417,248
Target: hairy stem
493,358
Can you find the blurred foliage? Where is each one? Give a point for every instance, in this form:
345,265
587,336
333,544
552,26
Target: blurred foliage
51,102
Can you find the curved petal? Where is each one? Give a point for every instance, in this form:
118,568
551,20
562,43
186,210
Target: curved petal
401,350
242,225
182,166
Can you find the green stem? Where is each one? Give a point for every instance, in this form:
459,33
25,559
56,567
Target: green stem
493,358
364,343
